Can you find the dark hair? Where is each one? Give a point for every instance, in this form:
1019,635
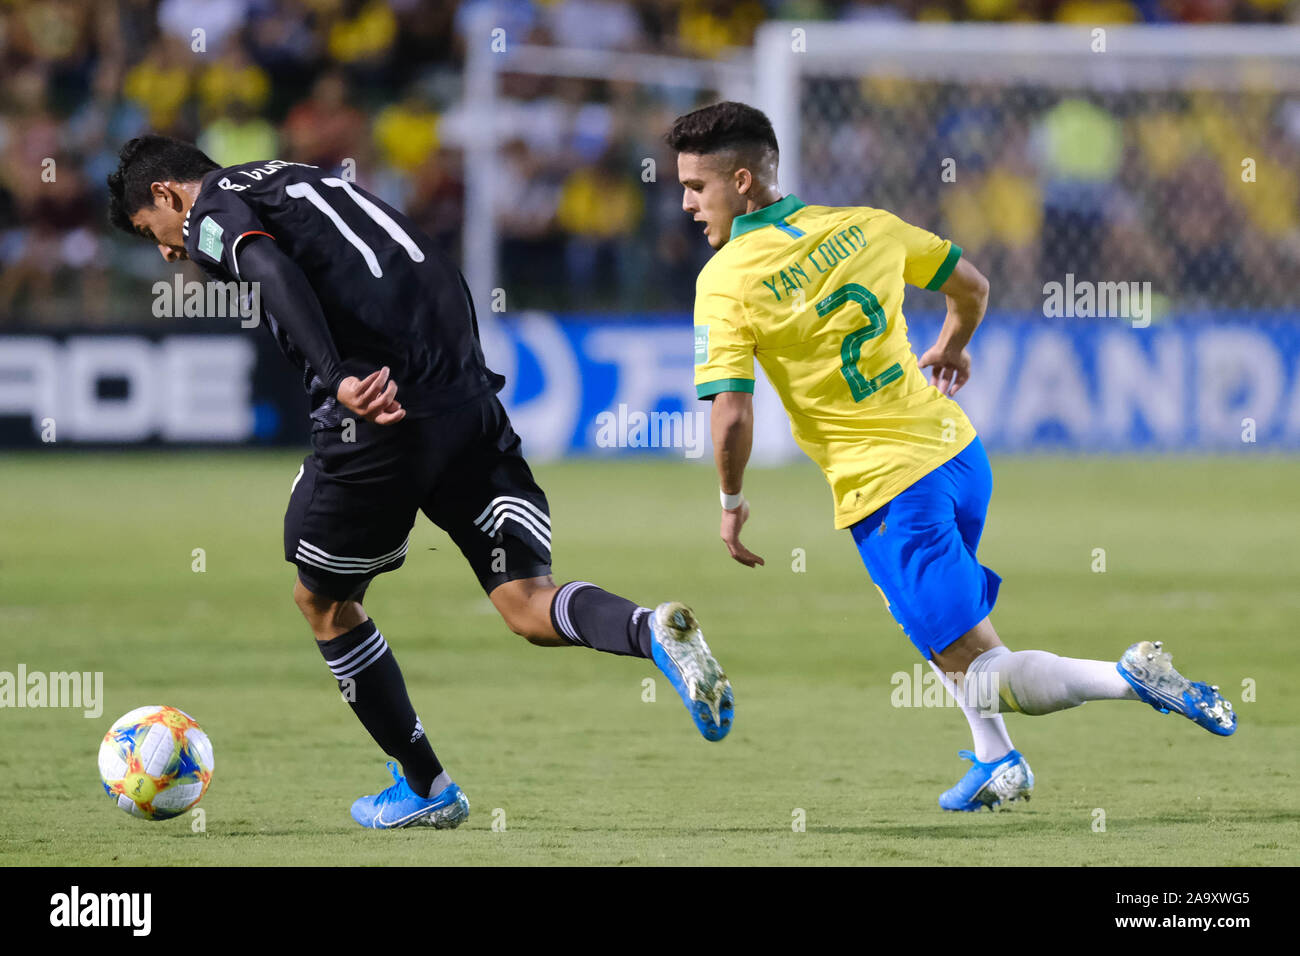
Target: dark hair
723,126
146,160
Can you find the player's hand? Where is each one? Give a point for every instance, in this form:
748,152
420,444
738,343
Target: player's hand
732,522
949,369
374,397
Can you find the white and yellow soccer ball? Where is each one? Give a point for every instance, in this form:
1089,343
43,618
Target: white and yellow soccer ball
155,762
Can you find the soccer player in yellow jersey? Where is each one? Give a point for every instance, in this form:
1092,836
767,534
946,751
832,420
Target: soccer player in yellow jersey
815,294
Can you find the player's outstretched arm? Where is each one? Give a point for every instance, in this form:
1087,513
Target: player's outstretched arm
288,295
968,295
732,423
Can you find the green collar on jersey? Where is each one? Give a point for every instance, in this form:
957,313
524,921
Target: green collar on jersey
767,216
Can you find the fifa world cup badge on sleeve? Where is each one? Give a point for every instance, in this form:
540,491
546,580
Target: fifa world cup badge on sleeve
701,344
210,237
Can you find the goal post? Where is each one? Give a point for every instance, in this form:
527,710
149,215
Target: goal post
485,128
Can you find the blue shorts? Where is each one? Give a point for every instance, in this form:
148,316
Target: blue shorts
920,552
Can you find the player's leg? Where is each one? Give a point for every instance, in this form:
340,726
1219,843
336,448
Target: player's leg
371,682
340,534
525,605
1039,682
490,505
1028,682
327,617
581,614
575,614
483,494
920,552
1047,682
971,488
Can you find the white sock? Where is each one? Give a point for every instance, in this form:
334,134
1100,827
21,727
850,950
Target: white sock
1038,682
440,783
989,732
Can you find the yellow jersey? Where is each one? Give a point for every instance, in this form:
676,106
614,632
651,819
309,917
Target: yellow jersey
816,293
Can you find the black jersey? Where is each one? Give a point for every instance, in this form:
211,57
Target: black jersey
387,296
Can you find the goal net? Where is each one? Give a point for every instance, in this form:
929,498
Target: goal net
1165,154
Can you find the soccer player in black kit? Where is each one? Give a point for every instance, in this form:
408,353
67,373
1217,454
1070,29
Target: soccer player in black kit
382,328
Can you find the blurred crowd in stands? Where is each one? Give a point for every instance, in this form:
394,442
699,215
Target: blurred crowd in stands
1196,192
1120,187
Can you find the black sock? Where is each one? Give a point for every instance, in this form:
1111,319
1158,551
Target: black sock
586,615
371,681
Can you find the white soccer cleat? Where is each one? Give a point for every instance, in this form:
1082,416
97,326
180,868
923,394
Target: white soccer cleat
680,652
1150,672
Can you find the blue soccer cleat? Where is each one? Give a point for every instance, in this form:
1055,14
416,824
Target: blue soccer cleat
991,784
398,806
680,652
1150,672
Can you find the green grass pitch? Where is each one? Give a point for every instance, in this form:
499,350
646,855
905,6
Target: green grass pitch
563,760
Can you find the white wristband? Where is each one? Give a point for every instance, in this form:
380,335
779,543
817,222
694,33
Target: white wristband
731,502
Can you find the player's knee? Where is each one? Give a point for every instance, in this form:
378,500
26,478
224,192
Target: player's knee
325,615
523,620
525,606
532,622
304,599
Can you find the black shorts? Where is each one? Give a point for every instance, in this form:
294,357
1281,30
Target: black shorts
353,504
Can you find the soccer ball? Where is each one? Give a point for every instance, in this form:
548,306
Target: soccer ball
155,762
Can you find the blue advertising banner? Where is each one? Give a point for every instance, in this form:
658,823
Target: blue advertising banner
611,385
1079,385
